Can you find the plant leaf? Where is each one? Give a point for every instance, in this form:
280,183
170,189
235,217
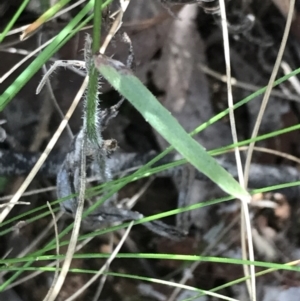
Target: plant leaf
128,85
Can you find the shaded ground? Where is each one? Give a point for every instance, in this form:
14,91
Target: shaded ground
176,58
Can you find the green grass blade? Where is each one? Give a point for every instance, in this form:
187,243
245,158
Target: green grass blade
9,262
161,120
33,27
13,20
27,74
52,11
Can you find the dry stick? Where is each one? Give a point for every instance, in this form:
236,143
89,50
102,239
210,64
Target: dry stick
31,54
24,52
43,123
105,266
34,274
191,288
44,155
229,90
269,88
45,113
57,107
17,203
78,216
28,193
34,243
61,12
51,188
52,96
104,276
267,94
17,30
293,80
273,152
55,103
113,30
57,252
44,232
80,205
116,25
130,203
247,86
49,146
80,92
282,6
245,216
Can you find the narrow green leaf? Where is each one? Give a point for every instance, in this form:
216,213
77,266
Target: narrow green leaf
122,79
43,18
38,62
13,20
